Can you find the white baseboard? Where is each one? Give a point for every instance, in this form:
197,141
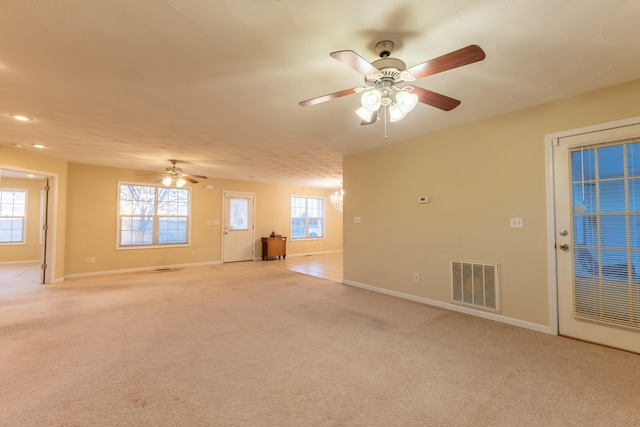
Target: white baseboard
137,270
315,253
485,315
33,261
307,254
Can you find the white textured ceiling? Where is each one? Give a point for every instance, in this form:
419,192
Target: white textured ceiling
132,83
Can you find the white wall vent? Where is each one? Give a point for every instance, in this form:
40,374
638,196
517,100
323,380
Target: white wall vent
476,285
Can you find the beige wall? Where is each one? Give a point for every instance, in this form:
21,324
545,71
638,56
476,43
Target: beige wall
85,216
92,221
32,161
32,249
478,176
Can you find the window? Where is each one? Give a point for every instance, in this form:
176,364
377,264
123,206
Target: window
307,217
605,183
13,212
238,213
153,216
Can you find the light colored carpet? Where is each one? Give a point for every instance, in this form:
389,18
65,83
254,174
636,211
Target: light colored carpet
251,344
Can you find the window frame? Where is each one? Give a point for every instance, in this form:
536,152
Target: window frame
24,217
155,232
323,218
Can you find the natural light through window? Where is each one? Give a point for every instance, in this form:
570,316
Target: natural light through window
13,212
239,213
153,216
307,217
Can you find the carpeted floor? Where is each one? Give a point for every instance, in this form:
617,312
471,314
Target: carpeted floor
251,344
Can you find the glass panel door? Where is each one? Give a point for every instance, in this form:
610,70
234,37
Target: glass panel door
605,185
597,224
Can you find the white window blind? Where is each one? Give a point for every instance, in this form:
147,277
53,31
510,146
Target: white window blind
605,188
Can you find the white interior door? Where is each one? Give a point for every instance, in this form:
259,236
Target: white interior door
597,202
238,238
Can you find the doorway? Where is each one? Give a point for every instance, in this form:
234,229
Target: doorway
28,239
596,228
238,234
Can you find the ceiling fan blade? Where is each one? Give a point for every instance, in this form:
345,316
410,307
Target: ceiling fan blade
355,61
192,175
328,97
457,58
187,178
435,99
374,118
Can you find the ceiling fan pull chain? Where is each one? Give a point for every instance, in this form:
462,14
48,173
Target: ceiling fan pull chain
385,122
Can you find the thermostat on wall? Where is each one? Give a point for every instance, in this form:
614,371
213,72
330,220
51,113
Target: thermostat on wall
423,199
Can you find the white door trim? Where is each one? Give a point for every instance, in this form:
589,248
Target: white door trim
550,141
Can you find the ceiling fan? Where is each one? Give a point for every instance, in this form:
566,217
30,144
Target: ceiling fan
385,81
175,177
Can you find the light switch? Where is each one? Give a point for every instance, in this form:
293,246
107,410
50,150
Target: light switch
356,220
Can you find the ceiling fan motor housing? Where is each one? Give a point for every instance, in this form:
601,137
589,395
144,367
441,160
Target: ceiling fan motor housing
386,63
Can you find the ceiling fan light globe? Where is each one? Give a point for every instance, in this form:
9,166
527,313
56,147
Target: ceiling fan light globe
406,101
371,100
180,182
395,113
365,114
167,181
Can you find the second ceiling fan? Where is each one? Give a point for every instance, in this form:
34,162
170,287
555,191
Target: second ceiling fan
385,89
175,177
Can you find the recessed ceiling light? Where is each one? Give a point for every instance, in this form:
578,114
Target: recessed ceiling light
21,118
38,145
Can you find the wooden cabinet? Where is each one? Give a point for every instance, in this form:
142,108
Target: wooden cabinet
274,246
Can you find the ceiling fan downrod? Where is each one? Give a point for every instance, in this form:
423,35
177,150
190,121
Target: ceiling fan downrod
384,48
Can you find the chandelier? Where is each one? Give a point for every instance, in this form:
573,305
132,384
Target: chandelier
336,200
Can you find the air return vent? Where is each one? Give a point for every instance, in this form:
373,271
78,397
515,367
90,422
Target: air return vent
476,285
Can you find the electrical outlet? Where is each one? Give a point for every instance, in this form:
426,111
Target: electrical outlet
517,223
193,252
86,260
93,260
416,277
